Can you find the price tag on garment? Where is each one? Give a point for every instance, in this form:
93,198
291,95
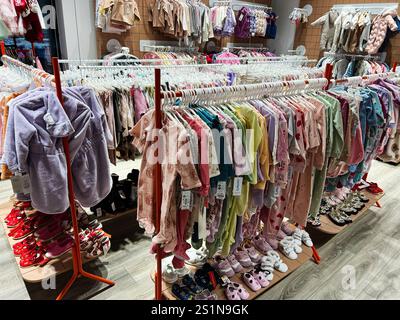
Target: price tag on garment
241,17
221,190
187,202
99,212
113,207
26,184
237,186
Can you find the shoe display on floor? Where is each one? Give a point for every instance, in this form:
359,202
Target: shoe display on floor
169,275
59,247
36,259
253,253
287,248
231,293
223,267
261,244
251,282
243,257
189,282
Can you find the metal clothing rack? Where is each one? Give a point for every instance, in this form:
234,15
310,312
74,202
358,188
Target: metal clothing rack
251,91
97,61
372,8
237,4
167,49
324,84
55,80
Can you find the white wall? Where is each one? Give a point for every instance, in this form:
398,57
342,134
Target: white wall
76,29
286,30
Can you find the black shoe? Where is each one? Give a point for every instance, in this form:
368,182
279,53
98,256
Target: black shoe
336,219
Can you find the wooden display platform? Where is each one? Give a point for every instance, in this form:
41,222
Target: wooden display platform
55,266
305,256
327,226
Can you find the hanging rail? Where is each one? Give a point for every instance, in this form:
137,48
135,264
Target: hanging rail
66,61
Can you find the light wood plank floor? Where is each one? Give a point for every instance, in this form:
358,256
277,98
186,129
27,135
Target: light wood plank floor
360,263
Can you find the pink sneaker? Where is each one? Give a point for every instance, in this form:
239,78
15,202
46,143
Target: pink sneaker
252,283
243,294
243,257
262,245
280,236
260,277
231,293
50,231
236,266
59,247
224,267
253,253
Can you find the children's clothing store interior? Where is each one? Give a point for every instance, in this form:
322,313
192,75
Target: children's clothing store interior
199,150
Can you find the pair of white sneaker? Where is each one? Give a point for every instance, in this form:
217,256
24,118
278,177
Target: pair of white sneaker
272,261
301,236
197,257
172,275
290,247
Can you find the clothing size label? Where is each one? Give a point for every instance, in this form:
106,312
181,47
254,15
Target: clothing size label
187,200
48,118
237,186
221,190
241,17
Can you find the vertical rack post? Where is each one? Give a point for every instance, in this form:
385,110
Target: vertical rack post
158,184
2,48
328,74
76,252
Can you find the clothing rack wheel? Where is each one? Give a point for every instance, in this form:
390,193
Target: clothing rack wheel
293,265
328,227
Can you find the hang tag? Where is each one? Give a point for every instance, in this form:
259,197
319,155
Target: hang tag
221,190
186,203
26,184
99,212
48,118
16,183
237,186
241,17
225,280
113,207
